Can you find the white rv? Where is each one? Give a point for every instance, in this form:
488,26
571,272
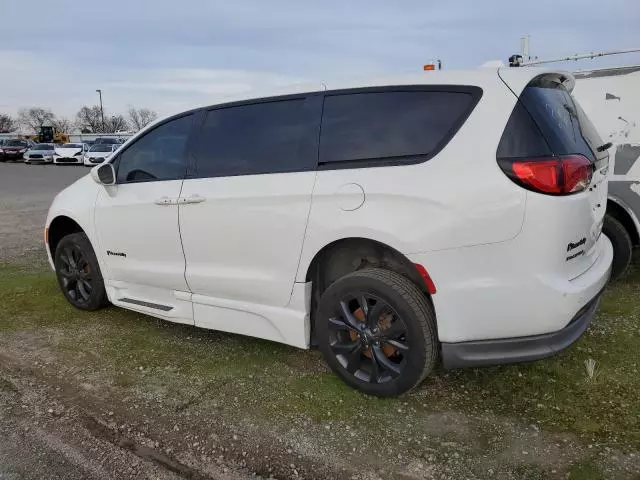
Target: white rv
611,99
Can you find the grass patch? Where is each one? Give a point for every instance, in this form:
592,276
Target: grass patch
586,470
140,354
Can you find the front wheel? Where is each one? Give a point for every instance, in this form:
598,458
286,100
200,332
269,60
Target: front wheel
377,331
622,245
78,273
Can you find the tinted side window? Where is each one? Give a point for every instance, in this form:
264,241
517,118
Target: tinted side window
158,155
384,125
270,137
522,137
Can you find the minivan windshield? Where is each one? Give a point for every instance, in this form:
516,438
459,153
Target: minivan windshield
72,145
43,146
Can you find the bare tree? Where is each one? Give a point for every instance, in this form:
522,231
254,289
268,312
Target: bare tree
115,123
7,123
141,117
35,117
62,125
90,118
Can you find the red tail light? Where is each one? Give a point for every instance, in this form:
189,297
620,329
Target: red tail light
553,175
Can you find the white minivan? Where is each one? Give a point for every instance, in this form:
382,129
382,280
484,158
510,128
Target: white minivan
450,217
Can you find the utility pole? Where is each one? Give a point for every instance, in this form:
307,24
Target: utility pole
101,109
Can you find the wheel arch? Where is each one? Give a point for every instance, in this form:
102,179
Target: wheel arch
625,216
347,255
60,227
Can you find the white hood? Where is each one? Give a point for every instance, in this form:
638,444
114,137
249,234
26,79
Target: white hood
98,154
67,152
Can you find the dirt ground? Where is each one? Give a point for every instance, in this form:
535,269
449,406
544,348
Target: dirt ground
114,394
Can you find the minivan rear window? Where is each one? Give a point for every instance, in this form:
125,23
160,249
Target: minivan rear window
547,120
390,125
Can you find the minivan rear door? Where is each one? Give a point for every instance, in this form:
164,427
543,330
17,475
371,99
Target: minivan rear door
568,131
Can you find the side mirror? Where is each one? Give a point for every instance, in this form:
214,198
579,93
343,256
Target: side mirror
104,174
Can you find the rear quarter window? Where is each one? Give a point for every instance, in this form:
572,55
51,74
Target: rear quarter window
391,127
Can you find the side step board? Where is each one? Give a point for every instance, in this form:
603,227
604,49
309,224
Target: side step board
155,306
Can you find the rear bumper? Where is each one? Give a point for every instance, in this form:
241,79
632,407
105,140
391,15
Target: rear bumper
493,292
519,349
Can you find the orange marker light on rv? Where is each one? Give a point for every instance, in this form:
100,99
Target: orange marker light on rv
429,67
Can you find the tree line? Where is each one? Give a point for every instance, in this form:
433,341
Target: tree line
88,119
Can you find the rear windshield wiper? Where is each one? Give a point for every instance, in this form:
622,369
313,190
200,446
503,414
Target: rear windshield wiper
604,147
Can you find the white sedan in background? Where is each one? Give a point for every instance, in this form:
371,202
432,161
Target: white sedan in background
70,153
99,153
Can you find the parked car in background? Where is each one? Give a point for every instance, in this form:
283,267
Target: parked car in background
455,215
40,153
99,153
107,140
13,150
70,153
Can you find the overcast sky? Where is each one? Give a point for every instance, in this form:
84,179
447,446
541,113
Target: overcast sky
172,55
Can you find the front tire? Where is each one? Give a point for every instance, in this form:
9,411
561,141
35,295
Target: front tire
377,331
622,245
78,273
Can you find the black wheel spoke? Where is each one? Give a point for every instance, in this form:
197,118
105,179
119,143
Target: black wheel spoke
393,368
82,288
64,259
403,347
364,305
76,290
348,317
68,253
87,286
66,273
345,348
374,376
354,361
339,324
375,313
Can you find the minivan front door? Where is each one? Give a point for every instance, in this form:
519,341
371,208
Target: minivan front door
137,225
244,211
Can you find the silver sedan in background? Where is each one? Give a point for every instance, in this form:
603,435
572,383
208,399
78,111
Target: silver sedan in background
40,153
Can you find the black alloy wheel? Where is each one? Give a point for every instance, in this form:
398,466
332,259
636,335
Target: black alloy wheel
78,273
376,330
368,338
75,272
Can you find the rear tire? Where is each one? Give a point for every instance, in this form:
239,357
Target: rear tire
622,245
78,273
377,331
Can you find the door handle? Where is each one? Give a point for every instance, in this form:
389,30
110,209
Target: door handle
165,201
191,199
